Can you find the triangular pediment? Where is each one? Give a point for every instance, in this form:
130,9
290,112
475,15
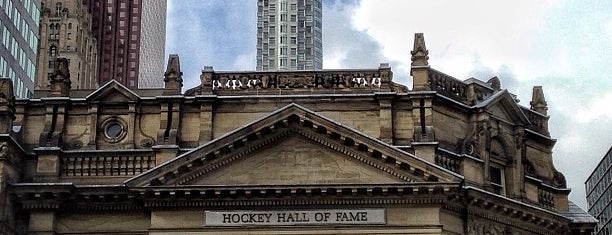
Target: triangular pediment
503,106
112,91
294,146
295,160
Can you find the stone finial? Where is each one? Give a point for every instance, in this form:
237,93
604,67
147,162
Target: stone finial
420,66
495,83
173,77
538,102
60,79
419,51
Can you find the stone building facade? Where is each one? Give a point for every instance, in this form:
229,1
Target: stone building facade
303,152
66,33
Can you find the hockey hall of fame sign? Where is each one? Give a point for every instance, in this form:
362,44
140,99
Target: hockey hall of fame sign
295,217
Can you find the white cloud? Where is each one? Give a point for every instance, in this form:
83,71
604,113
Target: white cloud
345,47
217,33
563,45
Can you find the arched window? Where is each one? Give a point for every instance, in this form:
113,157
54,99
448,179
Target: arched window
57,30
53,51
497,165
69,25
52,31
58,8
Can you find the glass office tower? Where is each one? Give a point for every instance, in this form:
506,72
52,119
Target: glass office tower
19,29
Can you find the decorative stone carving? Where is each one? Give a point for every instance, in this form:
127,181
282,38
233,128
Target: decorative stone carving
396,87
6,91
5,152
319,80
495,83
147,143
529,168
559,180
75,144
481,228
60,79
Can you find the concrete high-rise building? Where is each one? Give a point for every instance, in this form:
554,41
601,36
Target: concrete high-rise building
599,195
19,29
131,39
65,31
289,35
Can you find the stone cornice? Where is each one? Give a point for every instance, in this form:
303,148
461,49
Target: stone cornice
66,196
483,204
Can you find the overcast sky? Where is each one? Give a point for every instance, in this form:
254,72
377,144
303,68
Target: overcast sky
563,45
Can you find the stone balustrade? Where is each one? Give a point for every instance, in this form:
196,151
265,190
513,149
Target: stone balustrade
296,80
546,197
447,85
448,161
272,82
106,164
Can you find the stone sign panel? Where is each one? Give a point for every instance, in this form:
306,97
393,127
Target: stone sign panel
295,217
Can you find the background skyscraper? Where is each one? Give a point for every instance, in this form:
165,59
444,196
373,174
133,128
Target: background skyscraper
599,194
65,31
19,29
131,39
289,35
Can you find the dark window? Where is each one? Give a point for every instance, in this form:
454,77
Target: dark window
53,51
496,176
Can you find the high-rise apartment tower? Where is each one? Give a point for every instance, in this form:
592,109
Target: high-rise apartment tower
599,194
65,31
289,35
131,38
19,32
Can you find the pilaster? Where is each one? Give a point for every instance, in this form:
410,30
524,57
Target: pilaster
163,153
206,123
48,164
42,223
93,126
386,116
